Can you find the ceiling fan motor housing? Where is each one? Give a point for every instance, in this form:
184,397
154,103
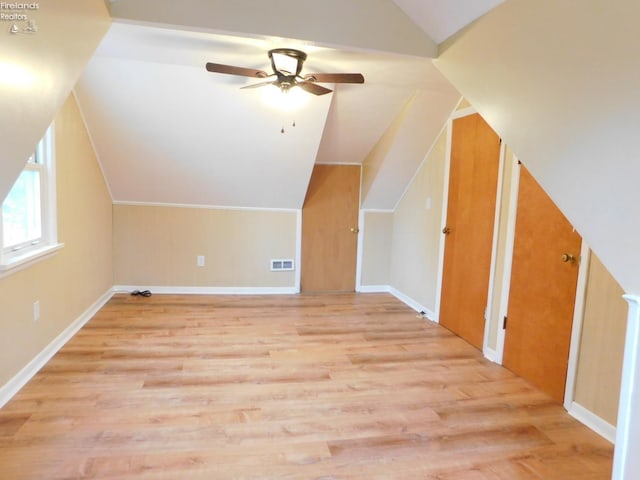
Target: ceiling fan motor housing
297,55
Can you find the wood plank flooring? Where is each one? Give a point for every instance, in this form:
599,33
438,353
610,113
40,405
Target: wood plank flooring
322,387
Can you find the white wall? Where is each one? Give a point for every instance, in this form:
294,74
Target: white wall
38,71
383,27
416,235
558,80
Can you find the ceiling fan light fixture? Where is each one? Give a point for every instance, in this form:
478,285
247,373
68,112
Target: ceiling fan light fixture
287,61
284,100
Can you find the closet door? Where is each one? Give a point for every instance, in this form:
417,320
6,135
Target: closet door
330,229
542,295
473,183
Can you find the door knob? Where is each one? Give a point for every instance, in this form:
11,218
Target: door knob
568,258
354,229
446,230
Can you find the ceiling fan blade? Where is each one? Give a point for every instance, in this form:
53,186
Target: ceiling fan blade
313,88
256,85
231,70
335,77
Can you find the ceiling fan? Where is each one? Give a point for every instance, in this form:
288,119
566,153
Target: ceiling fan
287,66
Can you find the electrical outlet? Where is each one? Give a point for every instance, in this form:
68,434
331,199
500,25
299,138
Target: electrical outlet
36,310
200,260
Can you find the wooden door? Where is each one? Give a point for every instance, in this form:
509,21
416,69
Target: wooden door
542,292
473,183
330,229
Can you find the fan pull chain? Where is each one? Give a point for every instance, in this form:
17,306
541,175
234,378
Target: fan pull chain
293,124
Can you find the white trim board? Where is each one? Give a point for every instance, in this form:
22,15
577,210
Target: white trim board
373,289
204,207
491,355
508,255
494,249
410,302
626,462
594,422
360,244
13,386
177,290
377,210
443,218
298,272
576,326
463,112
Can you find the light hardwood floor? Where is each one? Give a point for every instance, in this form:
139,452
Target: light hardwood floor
284,387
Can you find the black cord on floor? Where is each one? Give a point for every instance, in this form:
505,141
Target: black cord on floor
142,293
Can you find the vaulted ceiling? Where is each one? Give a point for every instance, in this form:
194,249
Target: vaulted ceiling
556,80
168,132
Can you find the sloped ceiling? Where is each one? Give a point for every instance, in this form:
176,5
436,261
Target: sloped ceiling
390,166
168,132
373,25
38,71
560,83
442,18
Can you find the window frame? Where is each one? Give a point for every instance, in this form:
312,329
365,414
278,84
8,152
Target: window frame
26,253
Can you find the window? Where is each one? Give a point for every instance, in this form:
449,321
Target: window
28,221
22,209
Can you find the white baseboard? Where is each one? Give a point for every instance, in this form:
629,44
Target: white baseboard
412,303
374,289
13,386
594,422
491,355
208,290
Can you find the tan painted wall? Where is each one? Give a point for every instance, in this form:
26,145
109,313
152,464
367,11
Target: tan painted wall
69,282
602,344
376,248
417,233
158,246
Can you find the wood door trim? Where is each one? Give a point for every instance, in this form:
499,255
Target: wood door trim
581,289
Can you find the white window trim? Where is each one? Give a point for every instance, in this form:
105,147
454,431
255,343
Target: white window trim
23,258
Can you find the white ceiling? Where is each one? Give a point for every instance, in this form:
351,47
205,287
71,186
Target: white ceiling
37,73
442,18
168,132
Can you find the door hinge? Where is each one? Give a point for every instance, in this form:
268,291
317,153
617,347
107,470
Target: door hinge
504,323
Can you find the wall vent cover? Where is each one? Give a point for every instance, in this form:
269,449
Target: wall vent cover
281,265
